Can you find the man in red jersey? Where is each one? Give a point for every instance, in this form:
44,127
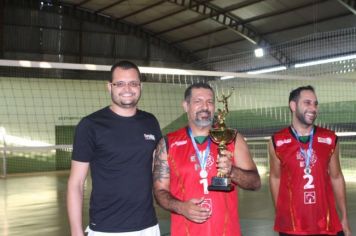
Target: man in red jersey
185,161
305,175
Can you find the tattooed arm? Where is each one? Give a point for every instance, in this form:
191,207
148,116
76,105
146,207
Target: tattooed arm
244,173
161,189
161,179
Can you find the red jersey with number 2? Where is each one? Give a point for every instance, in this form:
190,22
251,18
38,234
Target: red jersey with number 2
306,203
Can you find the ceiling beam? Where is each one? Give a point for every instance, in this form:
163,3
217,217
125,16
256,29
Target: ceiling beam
252,19
163,16
217,45
280,12
141,10
312,22
349,4
225,10
221,28
220,16
109,6
81,3
232,22
274,32
182,25
82,15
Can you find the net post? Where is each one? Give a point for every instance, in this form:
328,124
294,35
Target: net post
4,165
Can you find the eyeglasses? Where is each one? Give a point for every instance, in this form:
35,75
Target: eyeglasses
131,84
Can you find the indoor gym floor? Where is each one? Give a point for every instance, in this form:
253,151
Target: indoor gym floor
35,205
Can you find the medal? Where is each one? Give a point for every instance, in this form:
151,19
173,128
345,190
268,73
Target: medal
307,154
203,174
307,170
203,158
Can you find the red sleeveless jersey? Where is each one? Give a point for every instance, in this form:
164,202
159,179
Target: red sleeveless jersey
305,203
185,183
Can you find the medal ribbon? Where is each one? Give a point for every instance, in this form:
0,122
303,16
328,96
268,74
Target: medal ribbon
202,159
306,154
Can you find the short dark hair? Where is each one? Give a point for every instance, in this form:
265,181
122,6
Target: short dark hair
125,65
188,91
295,94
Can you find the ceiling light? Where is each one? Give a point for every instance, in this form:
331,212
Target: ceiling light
226,77
259,52
267,70
324,61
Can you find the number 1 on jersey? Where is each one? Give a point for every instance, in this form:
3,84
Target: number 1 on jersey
205,185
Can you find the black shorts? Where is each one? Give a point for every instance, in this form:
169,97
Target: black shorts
341,233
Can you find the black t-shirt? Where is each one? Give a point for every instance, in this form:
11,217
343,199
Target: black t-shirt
119,150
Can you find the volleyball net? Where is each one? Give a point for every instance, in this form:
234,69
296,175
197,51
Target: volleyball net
42,102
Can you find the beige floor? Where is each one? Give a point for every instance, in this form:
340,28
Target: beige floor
34,205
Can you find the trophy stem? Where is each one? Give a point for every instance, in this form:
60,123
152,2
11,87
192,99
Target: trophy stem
222,182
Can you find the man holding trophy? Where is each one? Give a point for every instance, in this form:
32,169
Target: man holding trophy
196,169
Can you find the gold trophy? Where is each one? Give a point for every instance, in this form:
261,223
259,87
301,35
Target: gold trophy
221,135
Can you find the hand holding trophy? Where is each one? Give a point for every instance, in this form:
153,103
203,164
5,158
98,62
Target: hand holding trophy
221,135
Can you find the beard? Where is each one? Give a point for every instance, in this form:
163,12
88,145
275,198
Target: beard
131,103
302,117
205,122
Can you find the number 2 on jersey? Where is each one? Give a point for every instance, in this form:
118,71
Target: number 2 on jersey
309,184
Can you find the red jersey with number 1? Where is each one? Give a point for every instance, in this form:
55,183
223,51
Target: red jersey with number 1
185,183
306,203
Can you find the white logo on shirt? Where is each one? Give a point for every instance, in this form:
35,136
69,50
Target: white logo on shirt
179,143
284,141
149,137
309,197
324,140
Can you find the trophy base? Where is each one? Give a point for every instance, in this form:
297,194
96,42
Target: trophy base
220,184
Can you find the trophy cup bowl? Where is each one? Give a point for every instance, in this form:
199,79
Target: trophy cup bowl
221,136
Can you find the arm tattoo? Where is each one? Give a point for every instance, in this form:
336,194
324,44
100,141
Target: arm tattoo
161,168
161,172
246,179
167,201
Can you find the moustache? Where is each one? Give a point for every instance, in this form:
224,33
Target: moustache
203,111
126,94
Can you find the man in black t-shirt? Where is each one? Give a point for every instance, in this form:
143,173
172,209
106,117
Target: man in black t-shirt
116,143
